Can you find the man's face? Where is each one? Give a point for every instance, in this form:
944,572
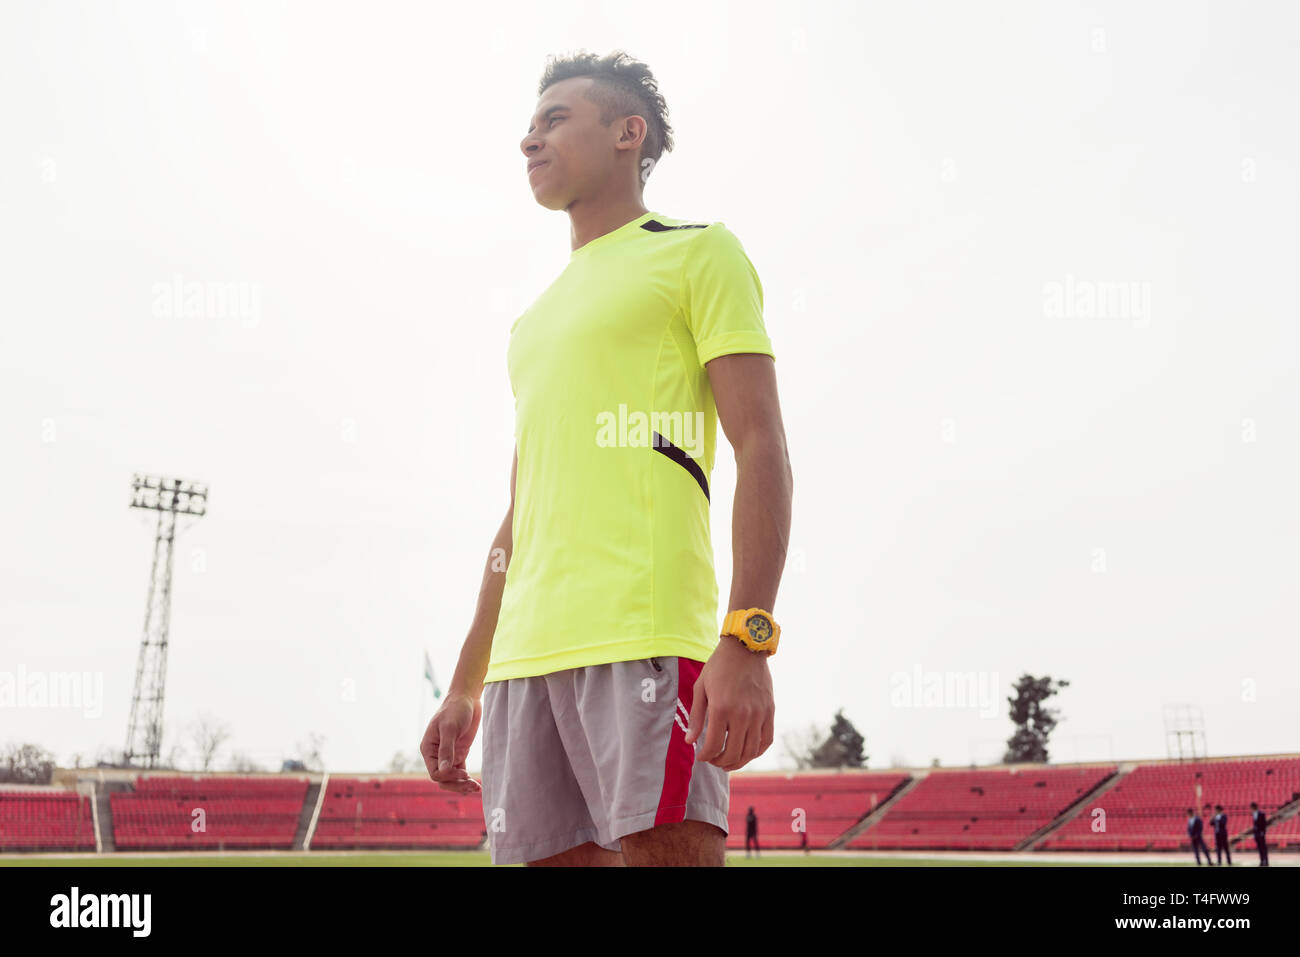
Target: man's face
575,150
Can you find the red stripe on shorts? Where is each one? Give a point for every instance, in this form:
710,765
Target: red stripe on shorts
680,760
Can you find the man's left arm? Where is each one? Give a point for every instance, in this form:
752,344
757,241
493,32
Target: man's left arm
735,686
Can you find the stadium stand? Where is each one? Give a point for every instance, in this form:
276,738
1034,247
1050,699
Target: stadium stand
1003,808
45,819
984,809
233,812
1283,835
1147,809
827,803
397,813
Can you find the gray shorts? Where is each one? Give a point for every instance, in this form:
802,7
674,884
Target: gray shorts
592,754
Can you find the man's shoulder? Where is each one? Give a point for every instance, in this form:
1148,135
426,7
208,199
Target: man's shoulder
701,237
663,223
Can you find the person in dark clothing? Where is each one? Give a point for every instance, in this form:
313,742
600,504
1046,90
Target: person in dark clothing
1259,824
751,830
1220,824
1196,831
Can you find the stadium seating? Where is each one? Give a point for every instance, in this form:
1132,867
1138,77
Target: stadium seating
45,819
1147,809
991,809
236,813
397,813
976,809
824,804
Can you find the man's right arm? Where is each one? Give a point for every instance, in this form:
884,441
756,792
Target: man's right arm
476,653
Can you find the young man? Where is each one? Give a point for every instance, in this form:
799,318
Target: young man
613,706
1259,827
1196,831
1221,842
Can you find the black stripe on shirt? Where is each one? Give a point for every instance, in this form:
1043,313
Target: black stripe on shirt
685,461
657,227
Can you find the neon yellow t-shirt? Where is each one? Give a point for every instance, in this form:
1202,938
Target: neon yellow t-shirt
615,428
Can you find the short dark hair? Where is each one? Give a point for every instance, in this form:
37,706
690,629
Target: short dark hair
623,86
1218,807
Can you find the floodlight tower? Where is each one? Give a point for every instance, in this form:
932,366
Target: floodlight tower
169,497
1185,732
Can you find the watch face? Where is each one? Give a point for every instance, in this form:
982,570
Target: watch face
759,628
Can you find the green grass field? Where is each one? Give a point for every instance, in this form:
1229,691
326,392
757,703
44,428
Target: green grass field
481,859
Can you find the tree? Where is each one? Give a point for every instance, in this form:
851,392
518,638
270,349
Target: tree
110,757
207,736
309,753
402,762
1034,722
174,757
842,748
241,762
800,745
26,764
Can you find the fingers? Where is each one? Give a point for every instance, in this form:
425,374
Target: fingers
429,747
749,734
455,778
715,730
695,720
739,730
445,751
714,740
467,785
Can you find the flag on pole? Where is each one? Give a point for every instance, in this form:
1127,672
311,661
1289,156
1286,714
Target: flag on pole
428,673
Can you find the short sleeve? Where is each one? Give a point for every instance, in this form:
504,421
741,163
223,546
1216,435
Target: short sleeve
722,296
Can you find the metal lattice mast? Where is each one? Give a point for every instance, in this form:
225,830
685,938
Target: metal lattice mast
1185,732
170,498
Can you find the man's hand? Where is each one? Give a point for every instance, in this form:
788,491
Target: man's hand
735,691
445,745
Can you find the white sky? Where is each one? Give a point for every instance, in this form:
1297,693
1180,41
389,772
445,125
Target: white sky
981,483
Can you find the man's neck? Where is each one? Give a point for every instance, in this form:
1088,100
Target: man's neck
592,219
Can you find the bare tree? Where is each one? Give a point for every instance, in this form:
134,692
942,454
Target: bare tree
800,745
401,763
309,753
241,762
175,757
208,735
26,764
110,757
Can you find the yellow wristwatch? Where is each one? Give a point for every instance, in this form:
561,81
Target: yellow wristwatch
754,627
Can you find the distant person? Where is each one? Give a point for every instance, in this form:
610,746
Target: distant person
803,840
1220,824
751,830
1259,824
1196,831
